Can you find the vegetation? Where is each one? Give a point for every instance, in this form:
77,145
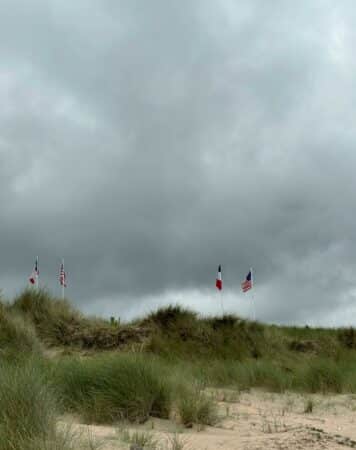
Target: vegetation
160,365
195,407
28,410
18,337
59,324
109,387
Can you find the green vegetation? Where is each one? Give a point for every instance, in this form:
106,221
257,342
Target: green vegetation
195,407
108,388
28,410
309,406
142,439
59,324
18,338
160,366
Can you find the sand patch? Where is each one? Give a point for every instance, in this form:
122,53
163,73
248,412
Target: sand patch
250,421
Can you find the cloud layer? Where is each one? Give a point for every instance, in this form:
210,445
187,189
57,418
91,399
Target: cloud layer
148,143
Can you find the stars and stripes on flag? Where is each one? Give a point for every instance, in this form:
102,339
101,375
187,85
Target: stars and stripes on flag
218,282
247,283
33,279
62,276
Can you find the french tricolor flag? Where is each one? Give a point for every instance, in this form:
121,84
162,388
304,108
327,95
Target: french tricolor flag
218,283
33,279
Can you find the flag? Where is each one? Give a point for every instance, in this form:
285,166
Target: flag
218,283
33,279
62,276
247,283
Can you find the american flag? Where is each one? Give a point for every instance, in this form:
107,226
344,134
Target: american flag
247,283
35,273
62,276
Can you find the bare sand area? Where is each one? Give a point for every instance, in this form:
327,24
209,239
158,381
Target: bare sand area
251,421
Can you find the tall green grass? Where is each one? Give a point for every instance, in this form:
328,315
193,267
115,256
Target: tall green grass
181,334
181,355
59,324
54,319
112,387
195,407
27,408
18,338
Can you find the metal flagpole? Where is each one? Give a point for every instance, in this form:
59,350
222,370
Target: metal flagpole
37,275
62,279
222,303
252,296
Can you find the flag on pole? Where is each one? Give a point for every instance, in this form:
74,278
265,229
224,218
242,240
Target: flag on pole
218,283
33,279
62,276
247,283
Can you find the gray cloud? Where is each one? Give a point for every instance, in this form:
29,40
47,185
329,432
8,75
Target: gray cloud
147,143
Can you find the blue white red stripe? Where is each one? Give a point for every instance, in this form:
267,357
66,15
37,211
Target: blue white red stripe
218,282
33,279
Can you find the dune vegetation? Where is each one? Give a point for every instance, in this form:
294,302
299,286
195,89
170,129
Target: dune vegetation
56,361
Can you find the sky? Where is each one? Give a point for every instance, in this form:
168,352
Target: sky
148,142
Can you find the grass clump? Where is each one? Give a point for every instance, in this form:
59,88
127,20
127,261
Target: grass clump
322,375
18,338
141,439
53,318
195,407
59,324
27,409
244,375
309,406
112,387
179,333
171,317
347,337
176,442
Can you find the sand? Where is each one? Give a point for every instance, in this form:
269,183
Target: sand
251,421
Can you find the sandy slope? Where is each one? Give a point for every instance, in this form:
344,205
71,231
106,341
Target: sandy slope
257,420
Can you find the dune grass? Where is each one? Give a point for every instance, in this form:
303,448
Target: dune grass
29,408
18,337
195,407
113,387
58,324
181,354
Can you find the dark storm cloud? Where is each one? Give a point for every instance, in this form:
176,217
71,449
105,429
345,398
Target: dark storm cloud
149,142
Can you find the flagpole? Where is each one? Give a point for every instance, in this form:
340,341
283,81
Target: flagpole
63,280
252,296
38,274
222,303
219,285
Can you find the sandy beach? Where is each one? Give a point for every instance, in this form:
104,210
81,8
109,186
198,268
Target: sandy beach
250,421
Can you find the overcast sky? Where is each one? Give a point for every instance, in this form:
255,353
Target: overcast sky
148,142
